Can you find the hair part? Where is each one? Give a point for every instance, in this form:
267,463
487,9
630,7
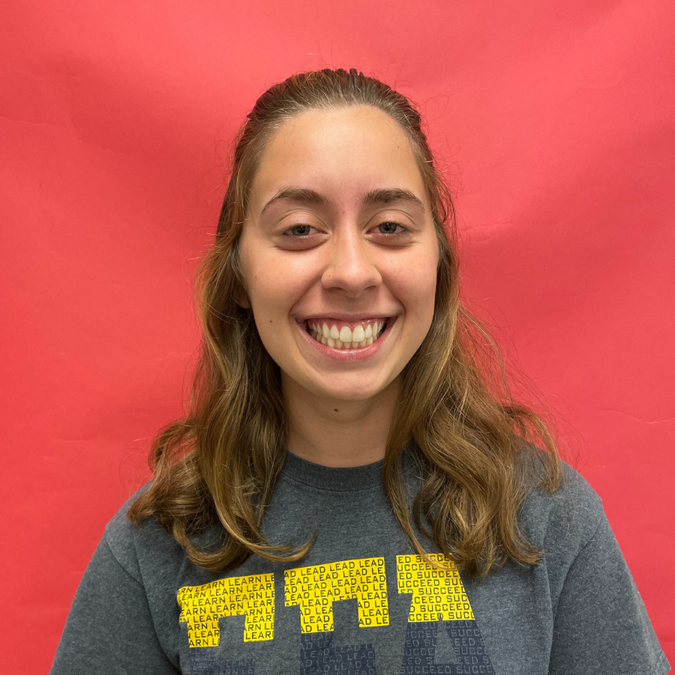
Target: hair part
480,451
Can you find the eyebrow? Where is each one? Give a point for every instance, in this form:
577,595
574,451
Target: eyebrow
378,196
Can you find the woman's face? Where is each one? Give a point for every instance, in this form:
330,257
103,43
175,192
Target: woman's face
339,252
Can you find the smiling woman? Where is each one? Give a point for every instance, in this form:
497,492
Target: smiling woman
346,241
343,444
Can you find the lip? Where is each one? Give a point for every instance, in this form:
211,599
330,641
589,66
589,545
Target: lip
348,355
339,316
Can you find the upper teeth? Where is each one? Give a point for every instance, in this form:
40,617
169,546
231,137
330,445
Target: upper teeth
345,338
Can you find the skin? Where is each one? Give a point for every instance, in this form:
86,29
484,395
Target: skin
339,257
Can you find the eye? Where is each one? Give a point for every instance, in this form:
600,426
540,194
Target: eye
390,227
298,231
300,237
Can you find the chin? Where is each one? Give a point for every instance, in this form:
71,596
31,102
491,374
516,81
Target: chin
348,393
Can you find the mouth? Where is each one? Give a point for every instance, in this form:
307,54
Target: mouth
343,335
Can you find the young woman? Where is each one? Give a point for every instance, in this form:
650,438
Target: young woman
349,492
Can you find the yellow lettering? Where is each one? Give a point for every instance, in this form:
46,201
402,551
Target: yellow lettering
437,595
315,588
251,596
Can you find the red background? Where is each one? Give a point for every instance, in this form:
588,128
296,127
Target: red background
554,122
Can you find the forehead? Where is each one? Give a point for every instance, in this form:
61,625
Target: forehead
341,153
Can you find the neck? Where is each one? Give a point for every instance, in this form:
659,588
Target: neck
338,433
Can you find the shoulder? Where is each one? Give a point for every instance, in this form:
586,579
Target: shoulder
564,521
138,547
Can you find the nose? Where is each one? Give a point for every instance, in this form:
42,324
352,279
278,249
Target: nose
351,265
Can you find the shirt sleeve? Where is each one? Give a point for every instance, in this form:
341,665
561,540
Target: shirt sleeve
110,630
601,625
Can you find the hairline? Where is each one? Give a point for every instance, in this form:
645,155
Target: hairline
261,142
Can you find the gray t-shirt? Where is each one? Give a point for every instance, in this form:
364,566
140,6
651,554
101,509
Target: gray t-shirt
361,602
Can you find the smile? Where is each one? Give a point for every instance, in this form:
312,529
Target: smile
343,335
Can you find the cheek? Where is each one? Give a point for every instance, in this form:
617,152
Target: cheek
423,297
274,287
415,286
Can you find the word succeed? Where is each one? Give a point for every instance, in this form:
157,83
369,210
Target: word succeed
436,595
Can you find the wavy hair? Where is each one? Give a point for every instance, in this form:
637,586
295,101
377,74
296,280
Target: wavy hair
220,463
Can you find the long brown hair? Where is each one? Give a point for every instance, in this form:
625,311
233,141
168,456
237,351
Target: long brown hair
221,462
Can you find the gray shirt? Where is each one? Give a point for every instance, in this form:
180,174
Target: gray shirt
361,602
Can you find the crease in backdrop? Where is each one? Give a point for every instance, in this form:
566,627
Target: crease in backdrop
554,124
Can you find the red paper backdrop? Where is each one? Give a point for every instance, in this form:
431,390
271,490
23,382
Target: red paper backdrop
554,121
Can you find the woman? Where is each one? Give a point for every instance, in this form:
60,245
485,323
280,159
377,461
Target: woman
349,493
